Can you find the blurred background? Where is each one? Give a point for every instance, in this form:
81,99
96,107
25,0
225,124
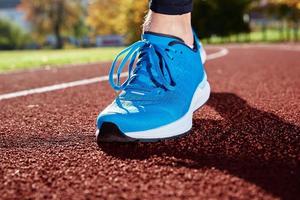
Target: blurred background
56,32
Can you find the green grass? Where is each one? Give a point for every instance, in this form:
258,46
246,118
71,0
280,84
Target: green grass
272,36
17,60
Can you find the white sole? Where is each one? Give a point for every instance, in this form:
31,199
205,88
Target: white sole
180,126
202,54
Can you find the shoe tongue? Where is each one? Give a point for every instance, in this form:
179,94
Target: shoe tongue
159,38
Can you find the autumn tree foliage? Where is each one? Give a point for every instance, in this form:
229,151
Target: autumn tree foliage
134,16
292,3
104,16
117,17
52,17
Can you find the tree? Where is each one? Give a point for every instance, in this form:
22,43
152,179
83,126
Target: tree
11,36
219,17
133,14
52,17
104,16
289,10
291,3
117,17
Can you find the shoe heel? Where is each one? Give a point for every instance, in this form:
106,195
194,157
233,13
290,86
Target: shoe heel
201,96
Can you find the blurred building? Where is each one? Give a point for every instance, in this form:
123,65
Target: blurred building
109,40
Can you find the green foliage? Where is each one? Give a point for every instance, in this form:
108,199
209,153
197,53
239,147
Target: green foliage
219,17
11,36
80,28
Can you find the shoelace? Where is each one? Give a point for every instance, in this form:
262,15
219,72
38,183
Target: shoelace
148,56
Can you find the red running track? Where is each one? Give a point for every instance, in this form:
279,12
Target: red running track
245,143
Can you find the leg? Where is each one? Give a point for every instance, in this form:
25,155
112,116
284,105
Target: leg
171,17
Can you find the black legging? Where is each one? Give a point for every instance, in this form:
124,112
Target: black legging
171,7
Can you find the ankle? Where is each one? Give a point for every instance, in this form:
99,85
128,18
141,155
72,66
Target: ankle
176,25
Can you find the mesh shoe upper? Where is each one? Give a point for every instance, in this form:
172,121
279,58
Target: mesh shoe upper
163,74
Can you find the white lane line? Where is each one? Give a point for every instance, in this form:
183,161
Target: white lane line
56,87
221,53
279,47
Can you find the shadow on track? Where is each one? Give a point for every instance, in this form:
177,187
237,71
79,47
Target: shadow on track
249,143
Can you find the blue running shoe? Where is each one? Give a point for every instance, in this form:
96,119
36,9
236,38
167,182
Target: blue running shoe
166,83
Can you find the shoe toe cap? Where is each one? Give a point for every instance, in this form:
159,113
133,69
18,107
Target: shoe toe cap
133,119
110,132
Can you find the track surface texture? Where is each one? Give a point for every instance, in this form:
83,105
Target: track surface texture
245,142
